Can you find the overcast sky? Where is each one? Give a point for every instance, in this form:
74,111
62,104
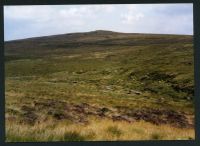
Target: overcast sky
31,21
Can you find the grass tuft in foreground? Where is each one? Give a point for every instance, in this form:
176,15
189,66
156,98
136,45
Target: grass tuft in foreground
96,130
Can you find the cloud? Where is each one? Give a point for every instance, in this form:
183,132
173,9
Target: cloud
160,18
43,20
30,21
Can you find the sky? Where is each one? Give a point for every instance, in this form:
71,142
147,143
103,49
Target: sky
33,21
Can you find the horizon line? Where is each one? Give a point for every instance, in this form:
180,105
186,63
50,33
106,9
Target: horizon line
34,37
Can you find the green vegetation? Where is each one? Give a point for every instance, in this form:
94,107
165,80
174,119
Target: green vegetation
73,136
156,136
114,130
74,78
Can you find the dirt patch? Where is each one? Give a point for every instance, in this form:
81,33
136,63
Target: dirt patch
184,88
28,115
158,76
79,113
159,116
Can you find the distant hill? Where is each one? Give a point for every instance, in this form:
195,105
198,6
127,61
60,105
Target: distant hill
98,37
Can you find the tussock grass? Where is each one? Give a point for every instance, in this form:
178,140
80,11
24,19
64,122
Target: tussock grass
73,136
156,136
96,130
114,130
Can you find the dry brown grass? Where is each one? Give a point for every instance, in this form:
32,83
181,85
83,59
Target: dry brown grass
96,130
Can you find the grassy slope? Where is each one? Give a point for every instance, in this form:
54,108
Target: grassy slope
97,130
103,69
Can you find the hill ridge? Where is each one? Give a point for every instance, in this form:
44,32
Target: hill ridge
106,32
